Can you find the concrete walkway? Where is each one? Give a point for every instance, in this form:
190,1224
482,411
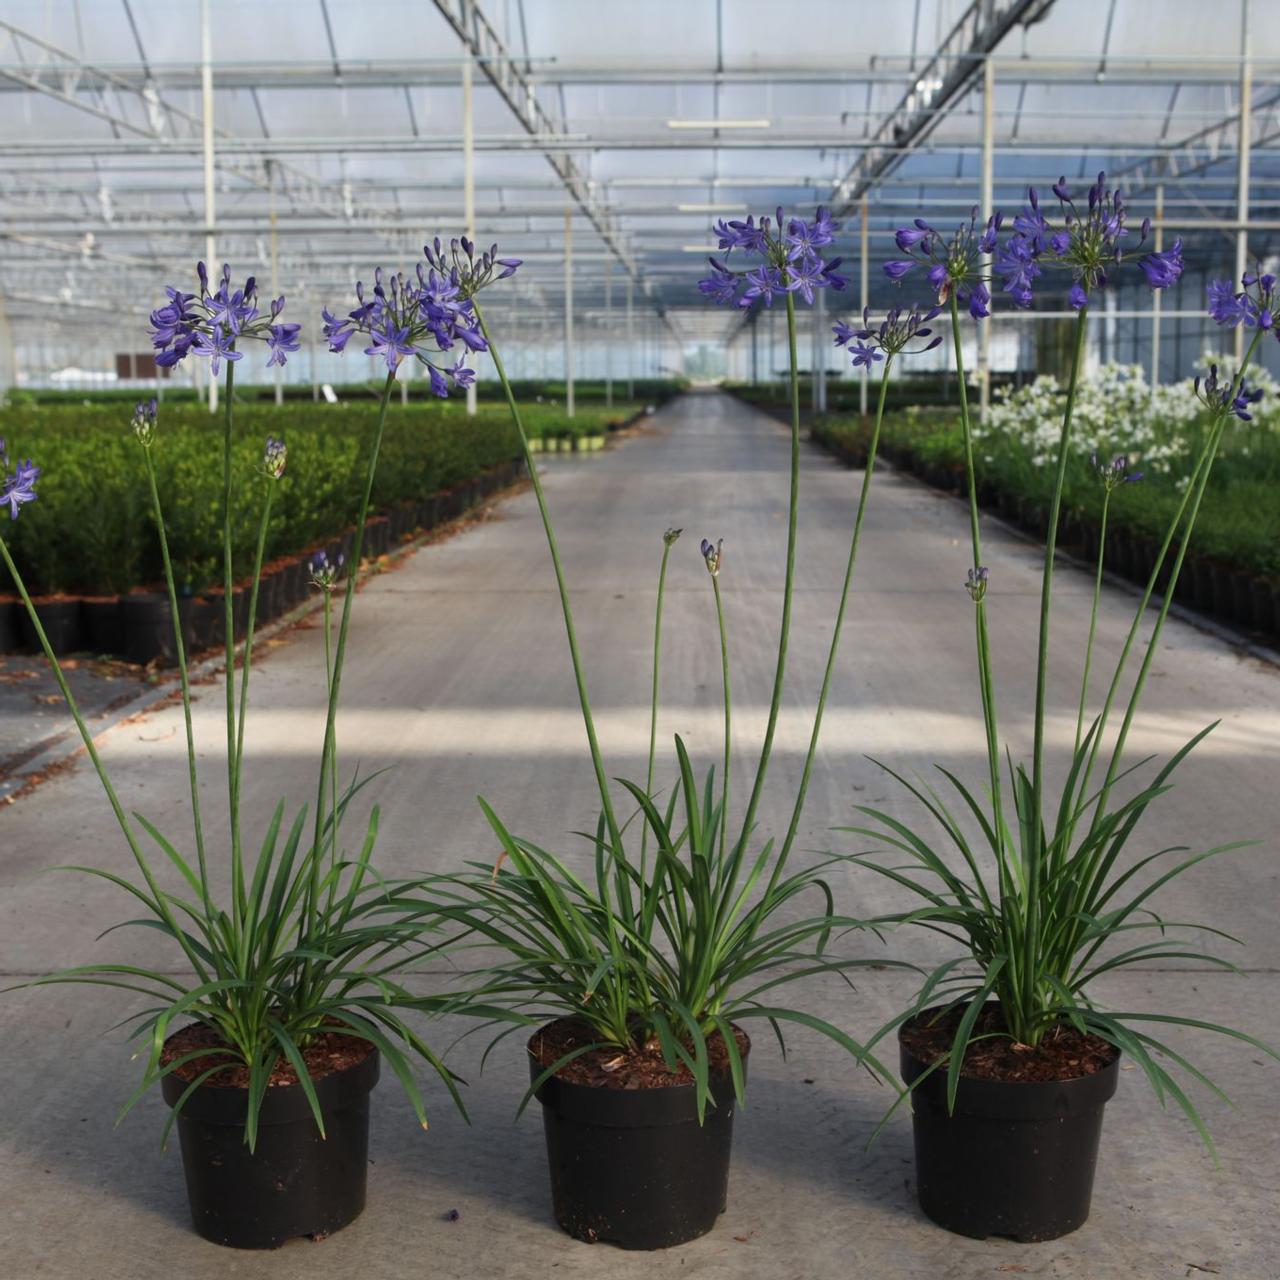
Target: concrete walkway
458,678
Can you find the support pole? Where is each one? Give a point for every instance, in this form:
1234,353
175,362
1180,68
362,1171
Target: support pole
755,348
469,180
631,376
608,334
864,286
1246,141
568,309
819,314
988,202
275,263
206,97
1157,294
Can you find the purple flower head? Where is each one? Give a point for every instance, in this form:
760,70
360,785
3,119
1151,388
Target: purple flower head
211,323
788,254
428,312
1017,263
894,336
713,555
325,572
19,488
1163,269
1077,296
898,268
144,422
274,457
976,583
1116,472
1226,396
954,266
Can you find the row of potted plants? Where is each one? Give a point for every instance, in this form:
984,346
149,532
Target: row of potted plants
135,627
634,964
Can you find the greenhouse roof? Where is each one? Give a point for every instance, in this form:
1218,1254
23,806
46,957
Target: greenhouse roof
339,134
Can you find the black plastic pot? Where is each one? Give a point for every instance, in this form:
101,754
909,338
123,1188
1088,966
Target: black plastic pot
1013,1159
633,1167
377,537
147,625
61,622
102,625
294,1183
9,632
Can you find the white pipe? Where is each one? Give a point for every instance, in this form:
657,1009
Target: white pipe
206,97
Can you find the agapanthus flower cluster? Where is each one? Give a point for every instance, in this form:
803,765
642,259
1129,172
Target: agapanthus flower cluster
1116,472
427,314
1216,395
1089,244
19,487
144,421
212,323
325,572
713,555
952,266
976,583
892,337
789,260
274,457
1254,305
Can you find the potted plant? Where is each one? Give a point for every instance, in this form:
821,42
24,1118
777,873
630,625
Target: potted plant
269,1038
1007,1050
637,978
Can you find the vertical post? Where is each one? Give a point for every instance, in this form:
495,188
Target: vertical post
1246,143
820,352
206,98
755,348
631,376
608,334
568,310
275,262
864,285
468,178
315,364
988,203
1157,294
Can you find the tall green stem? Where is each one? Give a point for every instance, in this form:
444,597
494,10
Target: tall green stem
602,781
181,652
802,791
724,665
784,633
1093,619
653,700
228,584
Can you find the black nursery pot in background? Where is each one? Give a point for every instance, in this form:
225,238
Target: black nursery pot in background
1014,1159
294,1183
633,1167
60,619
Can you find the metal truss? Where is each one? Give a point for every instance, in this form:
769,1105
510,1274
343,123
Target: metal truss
940,83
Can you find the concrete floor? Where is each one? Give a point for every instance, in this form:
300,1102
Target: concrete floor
457,677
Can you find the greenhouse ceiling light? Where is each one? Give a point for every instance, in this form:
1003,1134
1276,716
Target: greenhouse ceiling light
711,208
718,124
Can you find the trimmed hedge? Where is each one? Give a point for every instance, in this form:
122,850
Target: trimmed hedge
91,531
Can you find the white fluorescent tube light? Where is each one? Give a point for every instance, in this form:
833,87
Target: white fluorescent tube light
700,248
711,208
718,124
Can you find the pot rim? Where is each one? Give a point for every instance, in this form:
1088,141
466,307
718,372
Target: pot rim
281,1104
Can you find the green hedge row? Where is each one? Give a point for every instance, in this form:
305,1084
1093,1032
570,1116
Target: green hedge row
1239,522
91,530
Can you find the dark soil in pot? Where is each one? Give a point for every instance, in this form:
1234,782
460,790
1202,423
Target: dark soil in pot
630,1164
1016,1157
60,618
294,1183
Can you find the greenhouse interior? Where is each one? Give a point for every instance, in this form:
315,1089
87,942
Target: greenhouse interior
823,464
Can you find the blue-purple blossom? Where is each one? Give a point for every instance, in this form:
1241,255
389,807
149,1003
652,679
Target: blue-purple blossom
893,336
713,555
19,488
274,457
211,323
1164,269
429,313
1219,396
976,583
1116,472
790,261
953,266
325,572
144,421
